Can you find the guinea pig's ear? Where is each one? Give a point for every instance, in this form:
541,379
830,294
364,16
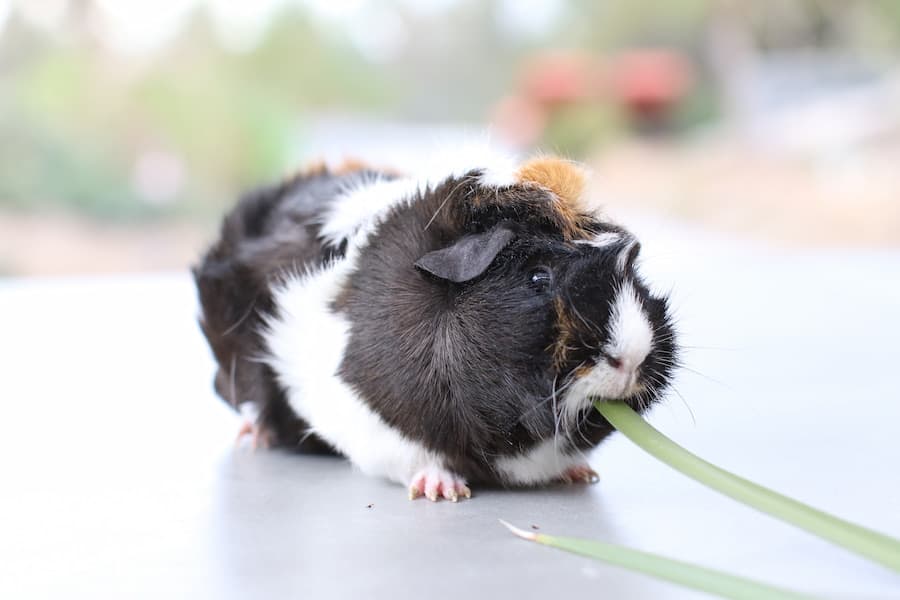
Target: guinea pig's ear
468,257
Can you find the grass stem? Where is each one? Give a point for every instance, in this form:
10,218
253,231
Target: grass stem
866,542
675,571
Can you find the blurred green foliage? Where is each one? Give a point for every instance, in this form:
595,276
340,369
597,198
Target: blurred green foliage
76,119
581,128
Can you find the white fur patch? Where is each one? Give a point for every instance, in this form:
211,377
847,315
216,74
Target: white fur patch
601,240
249,411
362,205
306,341
630,341
498,168
543,463
306,345
631,335
622,259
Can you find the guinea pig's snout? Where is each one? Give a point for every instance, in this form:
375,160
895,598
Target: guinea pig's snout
614,361
625,369
616,373
628,363
631,335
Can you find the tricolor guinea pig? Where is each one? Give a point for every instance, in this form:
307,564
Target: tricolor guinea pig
439,331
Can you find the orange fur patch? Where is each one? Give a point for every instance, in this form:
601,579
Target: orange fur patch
350,165
317,167
582,371
566,181
565,334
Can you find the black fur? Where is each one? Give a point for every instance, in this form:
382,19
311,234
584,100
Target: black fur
467,368
465,361
269,231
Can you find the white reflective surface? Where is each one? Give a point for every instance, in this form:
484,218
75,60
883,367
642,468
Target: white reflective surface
120,479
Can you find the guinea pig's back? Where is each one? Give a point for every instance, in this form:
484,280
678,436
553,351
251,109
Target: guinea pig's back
271,230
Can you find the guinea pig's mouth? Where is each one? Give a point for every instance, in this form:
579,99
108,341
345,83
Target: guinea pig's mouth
608,379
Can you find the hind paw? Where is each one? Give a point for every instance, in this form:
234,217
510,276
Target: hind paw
579,474
259,436
434,483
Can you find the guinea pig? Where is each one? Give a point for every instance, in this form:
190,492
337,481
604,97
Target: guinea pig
439,330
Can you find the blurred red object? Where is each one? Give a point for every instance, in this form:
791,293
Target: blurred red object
561,78
519,120
646,83
650,82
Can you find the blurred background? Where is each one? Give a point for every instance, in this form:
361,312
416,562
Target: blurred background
128,127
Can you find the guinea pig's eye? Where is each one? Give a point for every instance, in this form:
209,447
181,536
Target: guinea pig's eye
540,278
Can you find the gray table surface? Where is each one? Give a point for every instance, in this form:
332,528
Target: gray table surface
120,478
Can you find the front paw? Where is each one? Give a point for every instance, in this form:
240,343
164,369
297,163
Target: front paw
435,482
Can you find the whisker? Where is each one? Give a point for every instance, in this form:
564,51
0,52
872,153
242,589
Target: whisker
555,409
243,317
586,420
707,377
587,323
233,401
543,401
714,348
464,181
686,405
557,418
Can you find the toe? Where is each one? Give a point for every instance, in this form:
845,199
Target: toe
436,483
432,487
580,474
417,487
450,492
245,430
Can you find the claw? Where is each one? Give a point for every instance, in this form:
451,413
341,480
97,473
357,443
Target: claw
435,483
581,474
245,430
259,437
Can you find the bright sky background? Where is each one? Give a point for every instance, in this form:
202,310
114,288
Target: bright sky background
141,26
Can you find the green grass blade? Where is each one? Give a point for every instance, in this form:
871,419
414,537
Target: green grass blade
675,571
871,544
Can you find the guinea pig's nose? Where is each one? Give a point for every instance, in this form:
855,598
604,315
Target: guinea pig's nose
627,363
